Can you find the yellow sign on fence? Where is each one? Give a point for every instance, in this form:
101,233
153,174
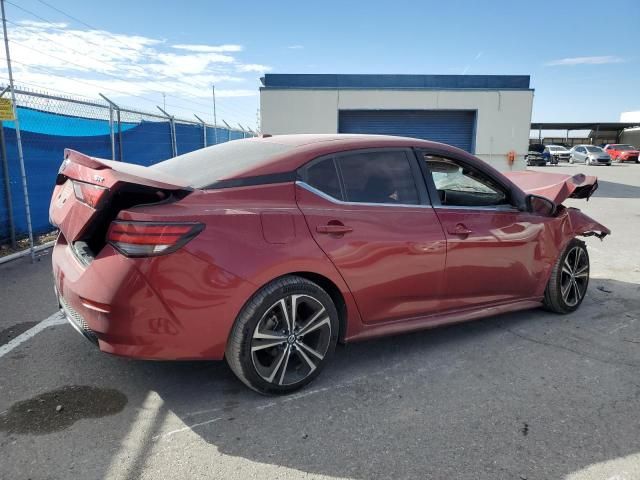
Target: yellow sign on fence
6,109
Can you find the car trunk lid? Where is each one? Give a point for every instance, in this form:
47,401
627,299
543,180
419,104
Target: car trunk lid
557,187
90,191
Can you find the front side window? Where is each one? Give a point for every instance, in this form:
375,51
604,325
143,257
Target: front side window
460,186
378,177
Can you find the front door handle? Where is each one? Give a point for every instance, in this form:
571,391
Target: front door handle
459,229
334,229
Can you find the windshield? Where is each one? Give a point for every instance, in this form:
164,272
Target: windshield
204,167
594,149
557,149
623,147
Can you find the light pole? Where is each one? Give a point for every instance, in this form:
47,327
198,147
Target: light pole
23,173
215,119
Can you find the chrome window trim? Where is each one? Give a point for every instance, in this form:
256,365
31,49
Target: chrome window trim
492,208
331,199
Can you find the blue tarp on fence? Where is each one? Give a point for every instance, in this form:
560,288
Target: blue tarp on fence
45,136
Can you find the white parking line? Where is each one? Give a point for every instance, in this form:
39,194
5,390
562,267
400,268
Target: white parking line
184,429
55,319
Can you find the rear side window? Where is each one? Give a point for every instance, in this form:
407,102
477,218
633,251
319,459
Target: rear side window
378,177
322,175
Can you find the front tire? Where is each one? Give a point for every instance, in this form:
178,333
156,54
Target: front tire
569,279
284,336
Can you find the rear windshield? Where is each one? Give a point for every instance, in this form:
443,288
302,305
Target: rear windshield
202,168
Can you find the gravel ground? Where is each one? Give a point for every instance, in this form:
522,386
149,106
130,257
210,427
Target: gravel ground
529,395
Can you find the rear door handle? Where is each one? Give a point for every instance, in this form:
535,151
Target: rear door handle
459,229
334,229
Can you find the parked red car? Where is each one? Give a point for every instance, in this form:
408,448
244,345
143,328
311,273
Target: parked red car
268,251
622,152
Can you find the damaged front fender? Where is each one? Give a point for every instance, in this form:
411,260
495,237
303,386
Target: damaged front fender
586,226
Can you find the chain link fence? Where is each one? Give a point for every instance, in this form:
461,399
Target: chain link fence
100,128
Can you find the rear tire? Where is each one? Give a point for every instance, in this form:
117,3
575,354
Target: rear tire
284,336
569,279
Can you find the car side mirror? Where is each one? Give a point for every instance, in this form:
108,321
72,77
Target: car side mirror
540,205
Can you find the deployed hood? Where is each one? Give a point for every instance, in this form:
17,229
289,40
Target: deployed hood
557,187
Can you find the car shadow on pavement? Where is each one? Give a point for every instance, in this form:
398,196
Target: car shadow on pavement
531,393
616,190
523,395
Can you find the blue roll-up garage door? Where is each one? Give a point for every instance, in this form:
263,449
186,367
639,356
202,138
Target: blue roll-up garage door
454,127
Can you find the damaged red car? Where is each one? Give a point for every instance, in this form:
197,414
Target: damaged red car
266,252
622,152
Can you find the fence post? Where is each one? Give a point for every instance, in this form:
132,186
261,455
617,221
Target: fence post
228,131
120,147
113,106
172,131
204,131
111,133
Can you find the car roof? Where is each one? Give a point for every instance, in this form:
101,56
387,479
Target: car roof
279,154
305,147
305,139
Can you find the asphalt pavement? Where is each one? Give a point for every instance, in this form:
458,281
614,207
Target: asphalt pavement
529,395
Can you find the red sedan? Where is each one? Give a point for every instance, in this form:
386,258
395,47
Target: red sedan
622,152
267,252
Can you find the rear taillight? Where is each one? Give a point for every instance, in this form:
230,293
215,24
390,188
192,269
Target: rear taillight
145,239
88,193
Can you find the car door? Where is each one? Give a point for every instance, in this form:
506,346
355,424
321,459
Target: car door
494,251
369,212
580,154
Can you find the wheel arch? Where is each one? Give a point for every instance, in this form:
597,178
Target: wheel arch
336,295
328,285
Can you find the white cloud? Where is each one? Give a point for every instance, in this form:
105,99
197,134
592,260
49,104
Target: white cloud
60,58
571,61
209,48
295,47
253,67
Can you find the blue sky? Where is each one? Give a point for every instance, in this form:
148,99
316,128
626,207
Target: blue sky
583,57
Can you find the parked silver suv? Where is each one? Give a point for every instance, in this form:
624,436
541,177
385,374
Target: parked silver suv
556,154
589,154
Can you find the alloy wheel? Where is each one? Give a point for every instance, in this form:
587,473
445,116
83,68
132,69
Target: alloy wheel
575,276
291,339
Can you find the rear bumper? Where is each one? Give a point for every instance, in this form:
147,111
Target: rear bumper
536,162
149,308
76,320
